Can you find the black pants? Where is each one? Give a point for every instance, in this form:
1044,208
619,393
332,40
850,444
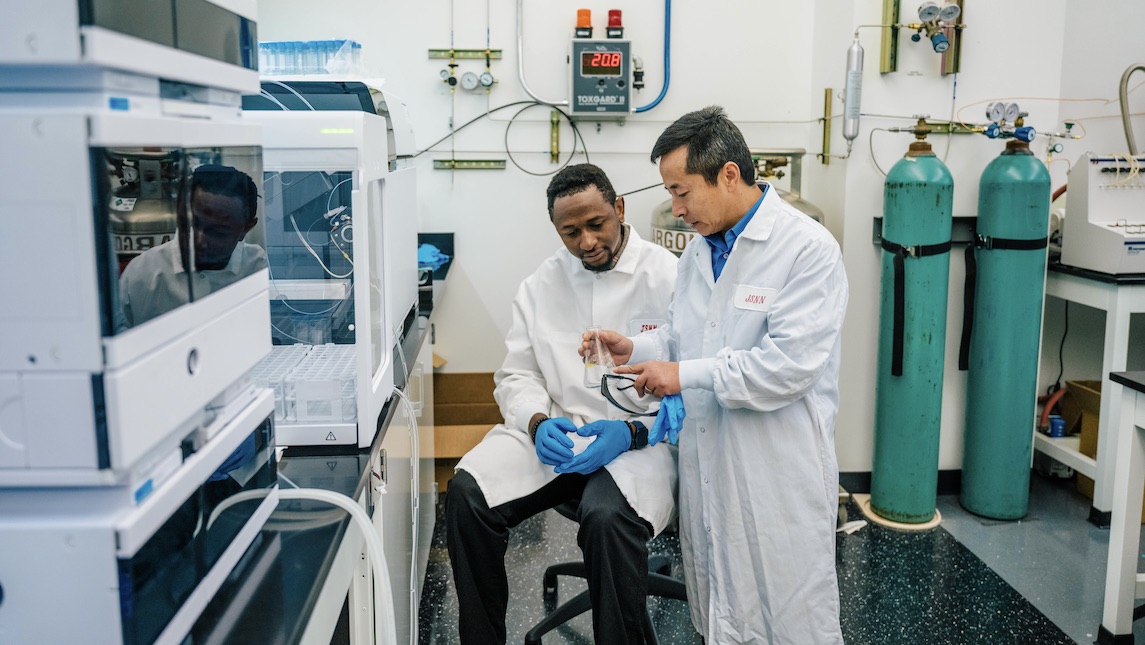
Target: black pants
613,538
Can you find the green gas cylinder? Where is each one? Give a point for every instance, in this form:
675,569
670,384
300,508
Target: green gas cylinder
1009,260
918,196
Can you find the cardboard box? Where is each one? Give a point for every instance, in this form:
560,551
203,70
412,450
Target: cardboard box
463,413
452,442
1087,396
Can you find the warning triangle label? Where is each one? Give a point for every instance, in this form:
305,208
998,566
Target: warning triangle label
331,465
331,437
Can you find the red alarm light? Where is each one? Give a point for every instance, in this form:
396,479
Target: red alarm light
615,29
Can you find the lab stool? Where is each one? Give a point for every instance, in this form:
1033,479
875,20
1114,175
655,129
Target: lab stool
660,585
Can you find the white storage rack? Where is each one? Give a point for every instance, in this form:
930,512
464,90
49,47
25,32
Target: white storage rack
323,386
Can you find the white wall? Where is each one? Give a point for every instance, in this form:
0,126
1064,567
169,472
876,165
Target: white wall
499,217
763,61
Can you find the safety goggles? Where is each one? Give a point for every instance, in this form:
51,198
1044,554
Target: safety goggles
610,383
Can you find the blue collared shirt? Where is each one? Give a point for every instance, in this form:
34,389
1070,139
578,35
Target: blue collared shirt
721,245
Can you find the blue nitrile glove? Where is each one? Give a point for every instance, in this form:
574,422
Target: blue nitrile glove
553,446
244,453
612,438
669,421
430,256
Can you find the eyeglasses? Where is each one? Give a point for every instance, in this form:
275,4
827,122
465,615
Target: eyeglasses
620,383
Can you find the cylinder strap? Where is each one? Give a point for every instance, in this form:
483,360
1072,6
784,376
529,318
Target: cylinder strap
987,243
901,252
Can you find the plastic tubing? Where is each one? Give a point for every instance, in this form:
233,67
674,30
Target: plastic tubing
1044,422
384,624
667,58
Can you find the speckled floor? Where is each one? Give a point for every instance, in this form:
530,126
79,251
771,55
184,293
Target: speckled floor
970,581
926,587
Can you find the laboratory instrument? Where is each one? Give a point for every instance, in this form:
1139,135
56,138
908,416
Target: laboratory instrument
1104,227
138,461
91,565
146,358
917,219
206,43
1007,120
1005,288
599,75
341,244
934,20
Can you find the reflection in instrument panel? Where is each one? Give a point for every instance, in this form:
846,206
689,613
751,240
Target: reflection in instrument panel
158,200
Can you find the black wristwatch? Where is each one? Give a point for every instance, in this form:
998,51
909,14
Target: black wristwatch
639,435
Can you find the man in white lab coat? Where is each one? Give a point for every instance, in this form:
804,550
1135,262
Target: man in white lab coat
607,275
752,343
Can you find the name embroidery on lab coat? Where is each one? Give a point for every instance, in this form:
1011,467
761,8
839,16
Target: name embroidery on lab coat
754,298
640,326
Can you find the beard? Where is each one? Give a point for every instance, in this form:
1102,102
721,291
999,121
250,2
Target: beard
603,265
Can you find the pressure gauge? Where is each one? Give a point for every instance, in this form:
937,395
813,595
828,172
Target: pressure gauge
996,111
486,79
928,11
468,81
444,74
949,12
1012,112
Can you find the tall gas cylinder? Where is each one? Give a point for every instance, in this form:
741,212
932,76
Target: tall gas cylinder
668,231
1006,270
917,203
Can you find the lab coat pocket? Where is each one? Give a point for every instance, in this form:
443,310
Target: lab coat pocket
745,328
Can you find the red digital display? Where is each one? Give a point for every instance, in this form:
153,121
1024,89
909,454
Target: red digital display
600,63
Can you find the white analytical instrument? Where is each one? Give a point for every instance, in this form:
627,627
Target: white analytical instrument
94,566
100,386
1104,228
342,247
212,44
137,458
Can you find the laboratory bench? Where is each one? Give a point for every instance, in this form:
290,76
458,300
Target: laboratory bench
1123,585
299,580
1119,296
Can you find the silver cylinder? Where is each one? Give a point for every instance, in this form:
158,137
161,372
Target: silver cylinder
852,93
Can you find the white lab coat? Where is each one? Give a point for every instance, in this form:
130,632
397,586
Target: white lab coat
543,373
155,282
759,354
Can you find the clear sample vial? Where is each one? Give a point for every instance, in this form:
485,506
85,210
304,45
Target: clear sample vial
598,361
